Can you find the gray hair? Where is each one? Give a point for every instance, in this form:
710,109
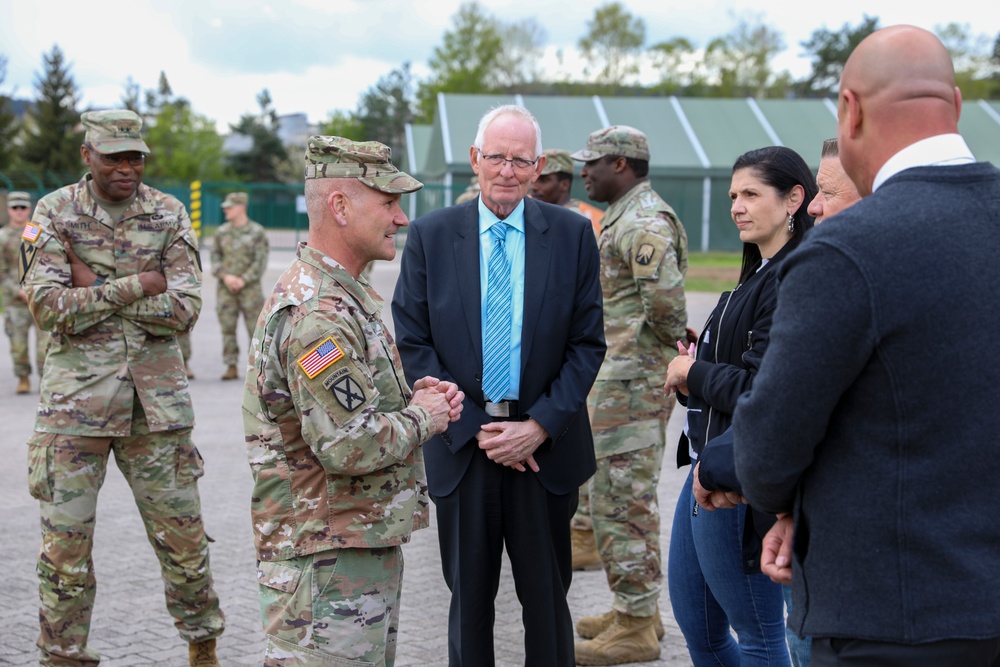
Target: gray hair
830,148
508,110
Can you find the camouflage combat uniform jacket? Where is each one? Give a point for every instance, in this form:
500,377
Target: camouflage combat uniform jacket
112,343
643,250
10,250
240,251
332,445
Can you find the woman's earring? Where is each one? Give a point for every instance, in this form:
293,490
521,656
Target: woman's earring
791,222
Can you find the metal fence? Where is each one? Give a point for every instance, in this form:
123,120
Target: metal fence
701,203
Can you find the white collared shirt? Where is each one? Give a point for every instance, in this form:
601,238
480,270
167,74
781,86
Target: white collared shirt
940,151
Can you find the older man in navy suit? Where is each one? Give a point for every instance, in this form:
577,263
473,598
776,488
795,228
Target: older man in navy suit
501,295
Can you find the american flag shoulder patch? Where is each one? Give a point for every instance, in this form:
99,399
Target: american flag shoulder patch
31,232
320,357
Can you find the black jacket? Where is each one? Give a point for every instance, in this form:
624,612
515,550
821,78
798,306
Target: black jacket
729,353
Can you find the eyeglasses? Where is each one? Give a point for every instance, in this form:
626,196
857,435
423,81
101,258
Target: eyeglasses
115,159
19,206
517,163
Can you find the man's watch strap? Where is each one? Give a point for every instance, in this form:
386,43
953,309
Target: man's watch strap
100,281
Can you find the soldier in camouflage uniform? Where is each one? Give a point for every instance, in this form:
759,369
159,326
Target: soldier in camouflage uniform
239,259
556,181
17,319
643,262
111,268
332,430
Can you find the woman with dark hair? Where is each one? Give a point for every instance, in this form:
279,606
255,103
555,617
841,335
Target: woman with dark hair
714,565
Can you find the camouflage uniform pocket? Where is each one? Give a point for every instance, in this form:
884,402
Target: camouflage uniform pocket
279,576
40,466
190,465
279,652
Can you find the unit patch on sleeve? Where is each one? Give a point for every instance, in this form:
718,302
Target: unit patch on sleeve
649,250
348,393
320,357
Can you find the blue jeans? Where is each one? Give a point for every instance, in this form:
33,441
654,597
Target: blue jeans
799,648
710,593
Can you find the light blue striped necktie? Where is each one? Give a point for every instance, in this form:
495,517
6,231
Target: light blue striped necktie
496,351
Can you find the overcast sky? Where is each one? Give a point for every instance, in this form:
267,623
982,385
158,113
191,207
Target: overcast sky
317,56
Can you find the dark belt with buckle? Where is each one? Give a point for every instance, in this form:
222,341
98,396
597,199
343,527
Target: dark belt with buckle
504,410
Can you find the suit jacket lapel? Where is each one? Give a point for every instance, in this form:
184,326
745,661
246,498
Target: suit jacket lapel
466,246
537,254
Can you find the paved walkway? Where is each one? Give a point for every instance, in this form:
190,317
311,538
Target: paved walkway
130,623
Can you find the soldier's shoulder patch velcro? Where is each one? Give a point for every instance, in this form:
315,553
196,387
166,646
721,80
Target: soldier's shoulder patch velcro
320,356
31,232
25,258
648,251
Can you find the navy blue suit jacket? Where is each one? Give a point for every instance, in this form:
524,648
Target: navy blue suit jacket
438,324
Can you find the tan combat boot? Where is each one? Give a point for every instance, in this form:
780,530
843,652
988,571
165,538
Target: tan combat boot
627,639
23,385
202,654
585,555
589,627
230,373
188,372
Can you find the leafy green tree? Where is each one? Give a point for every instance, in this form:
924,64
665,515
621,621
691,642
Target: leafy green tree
829,50
131,96
523,45
612,44
8,123
681,67
185,145
260,163
972,58
343,124
53,142
386,108
739,63
466,61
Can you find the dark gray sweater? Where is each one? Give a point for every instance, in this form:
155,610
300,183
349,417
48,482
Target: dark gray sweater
876,413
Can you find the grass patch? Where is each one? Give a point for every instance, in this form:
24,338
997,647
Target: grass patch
712,271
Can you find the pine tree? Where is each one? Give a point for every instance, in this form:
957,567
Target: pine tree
260,163
8,123
53,143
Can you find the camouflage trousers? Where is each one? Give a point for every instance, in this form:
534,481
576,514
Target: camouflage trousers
65,473
248,302
17,325
629,419
335,607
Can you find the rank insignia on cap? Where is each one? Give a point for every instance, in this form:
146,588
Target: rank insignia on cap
31,232
320,357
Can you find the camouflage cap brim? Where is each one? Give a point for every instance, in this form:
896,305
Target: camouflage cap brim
396,184
585,155
121,145
384,177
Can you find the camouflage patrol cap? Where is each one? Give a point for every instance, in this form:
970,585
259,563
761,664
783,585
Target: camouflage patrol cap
557,162
367,161
235,198
114,131
18,198
616,141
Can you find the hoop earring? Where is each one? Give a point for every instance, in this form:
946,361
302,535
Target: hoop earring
791,223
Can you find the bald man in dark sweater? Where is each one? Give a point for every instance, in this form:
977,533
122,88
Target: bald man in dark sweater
874,419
